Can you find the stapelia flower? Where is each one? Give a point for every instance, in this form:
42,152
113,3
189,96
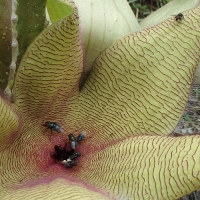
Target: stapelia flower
131,101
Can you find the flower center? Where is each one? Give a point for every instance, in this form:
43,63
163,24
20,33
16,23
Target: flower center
67,155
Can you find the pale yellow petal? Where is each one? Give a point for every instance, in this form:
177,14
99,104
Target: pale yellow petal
9,124
58,189
146,167
140,84
50,71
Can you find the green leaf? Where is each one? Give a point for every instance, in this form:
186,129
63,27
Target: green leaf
57,10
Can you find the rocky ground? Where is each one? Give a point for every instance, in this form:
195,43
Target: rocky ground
190,124
190,121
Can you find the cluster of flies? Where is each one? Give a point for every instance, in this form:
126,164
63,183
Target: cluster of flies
65,155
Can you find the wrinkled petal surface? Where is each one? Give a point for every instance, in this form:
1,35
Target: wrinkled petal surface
50,71
146,167
9,123
140,84
59,189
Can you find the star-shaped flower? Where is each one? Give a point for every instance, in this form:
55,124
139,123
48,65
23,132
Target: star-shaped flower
129,104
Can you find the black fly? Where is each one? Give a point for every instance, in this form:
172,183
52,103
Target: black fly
53,126
179,17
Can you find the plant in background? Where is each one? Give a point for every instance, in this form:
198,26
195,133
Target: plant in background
128,101
144,8
21,22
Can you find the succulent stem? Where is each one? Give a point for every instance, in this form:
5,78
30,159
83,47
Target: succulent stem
15,50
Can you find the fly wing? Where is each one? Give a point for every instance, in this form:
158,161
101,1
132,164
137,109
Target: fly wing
58,129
